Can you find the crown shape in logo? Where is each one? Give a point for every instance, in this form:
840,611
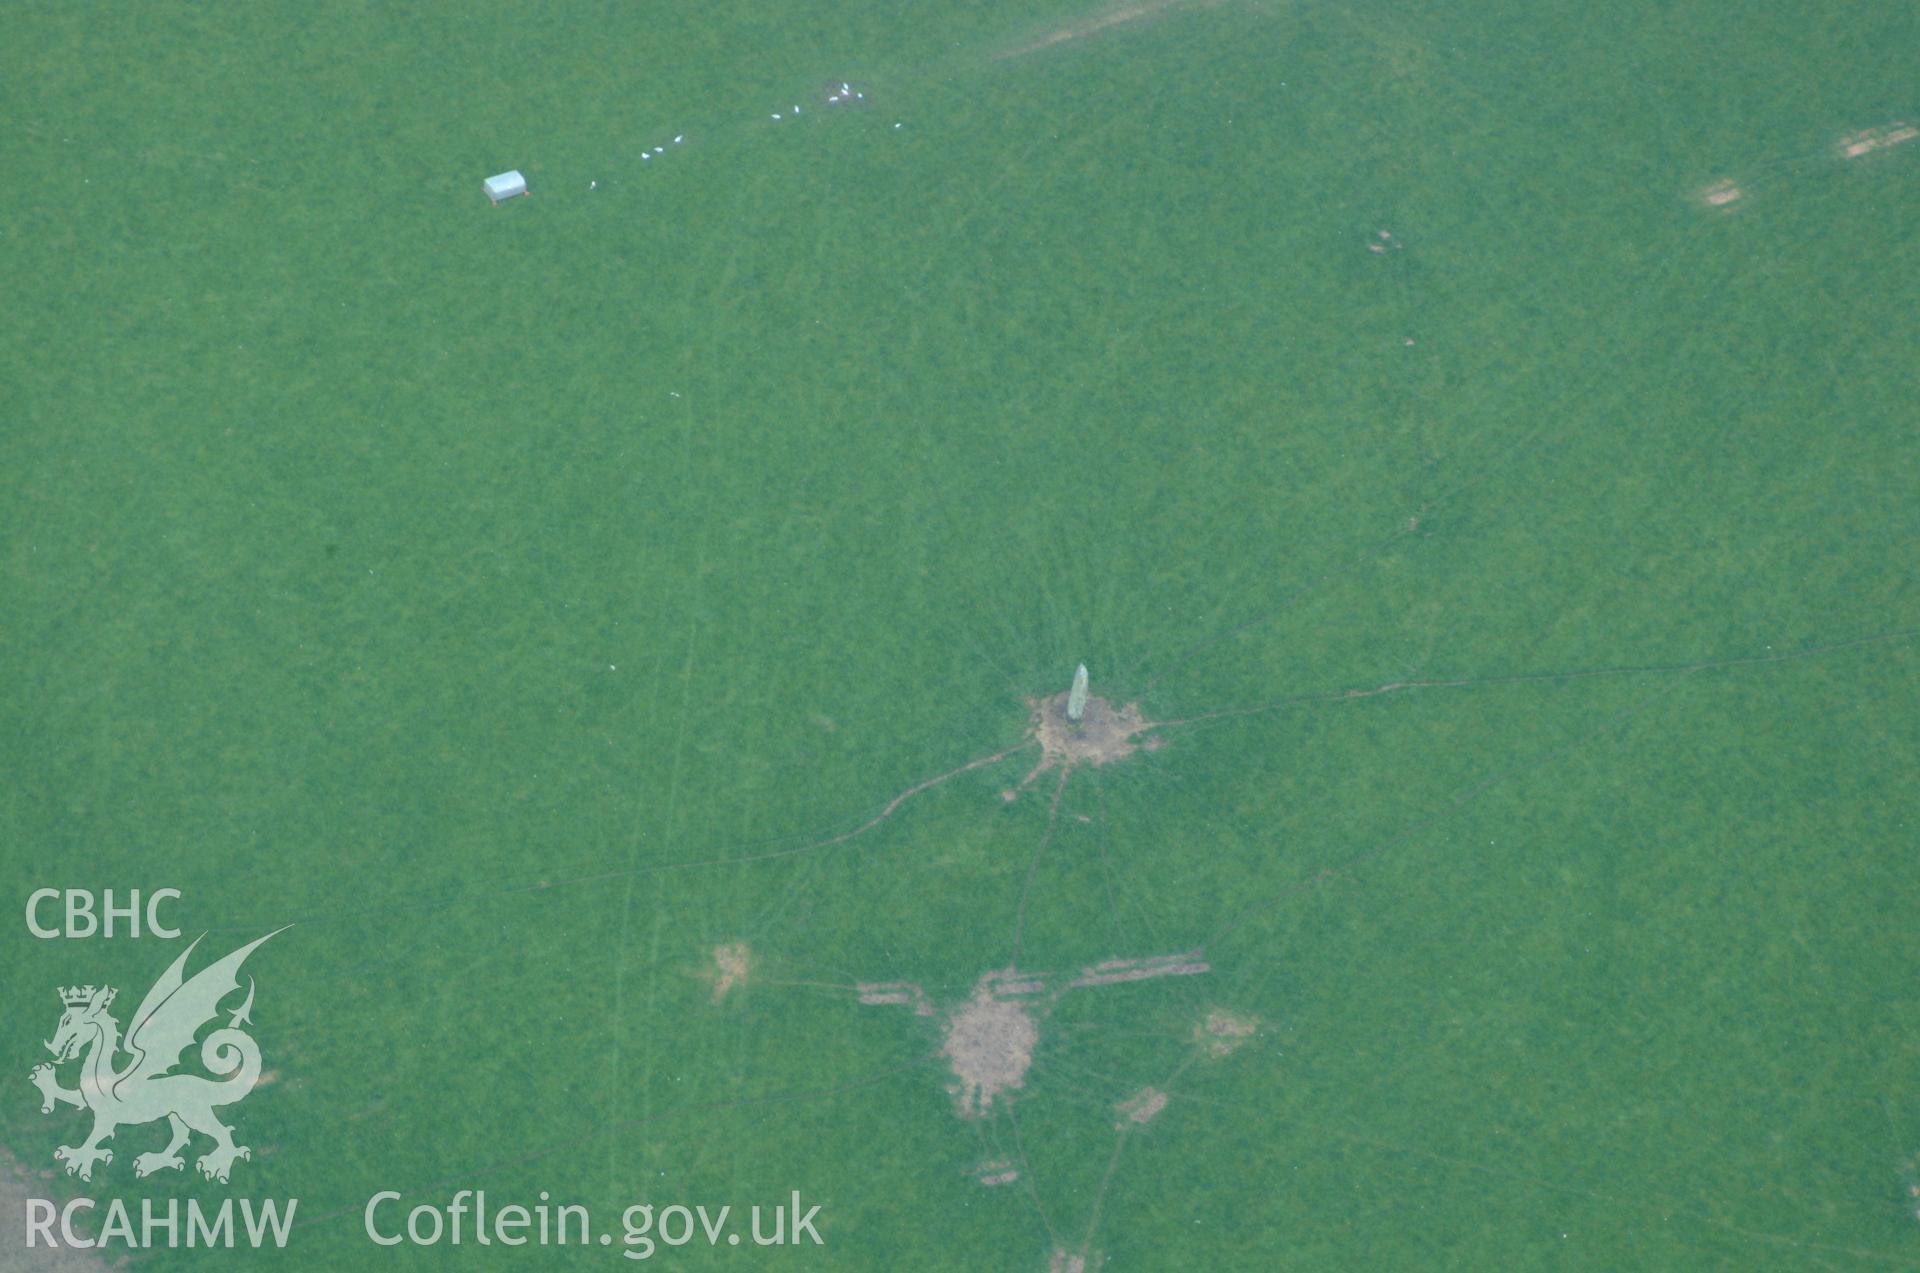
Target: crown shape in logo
80,996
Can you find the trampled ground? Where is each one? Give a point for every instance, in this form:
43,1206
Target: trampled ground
1478,439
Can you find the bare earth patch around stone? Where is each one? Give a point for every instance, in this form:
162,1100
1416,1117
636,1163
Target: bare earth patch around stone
1104,734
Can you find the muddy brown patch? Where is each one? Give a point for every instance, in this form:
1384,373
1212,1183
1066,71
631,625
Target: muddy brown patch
731,962
1140,1108
1000,1171
1721,194
892,992
1114,971
1224,1033
989,1044
1868,140
1103,734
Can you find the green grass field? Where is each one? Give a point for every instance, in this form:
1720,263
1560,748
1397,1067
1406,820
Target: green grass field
524,601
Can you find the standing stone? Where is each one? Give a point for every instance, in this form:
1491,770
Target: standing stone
1077,696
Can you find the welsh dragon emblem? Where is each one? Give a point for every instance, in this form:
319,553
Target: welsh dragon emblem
146,1088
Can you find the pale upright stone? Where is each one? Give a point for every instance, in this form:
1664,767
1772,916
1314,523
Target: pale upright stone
1077,696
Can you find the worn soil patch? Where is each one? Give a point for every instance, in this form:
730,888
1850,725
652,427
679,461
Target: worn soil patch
1865,142
1105,732
990,1045
1141,1107
1223,1033
732,963
1000,1171
1721,194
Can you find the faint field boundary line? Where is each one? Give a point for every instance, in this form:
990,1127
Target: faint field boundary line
1093,26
